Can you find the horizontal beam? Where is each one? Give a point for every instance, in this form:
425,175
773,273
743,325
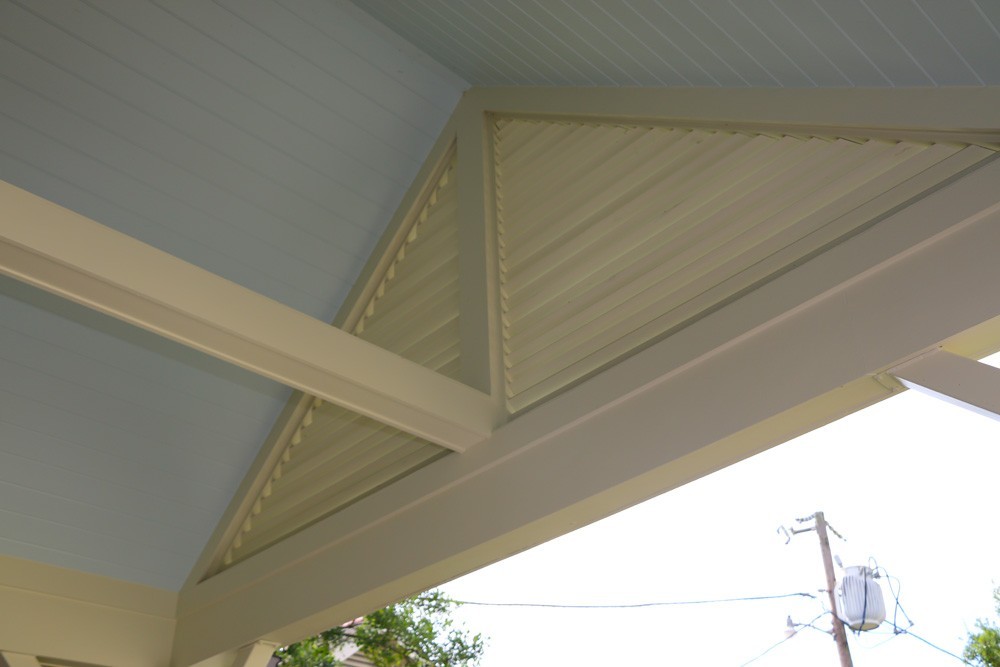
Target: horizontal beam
931,114
83,618
792,355
963,382
71,256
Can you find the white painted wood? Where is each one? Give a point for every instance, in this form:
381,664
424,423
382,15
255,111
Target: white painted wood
955,379
67,254
681,408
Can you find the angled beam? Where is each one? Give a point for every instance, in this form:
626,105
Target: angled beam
963,382
816,338
78,259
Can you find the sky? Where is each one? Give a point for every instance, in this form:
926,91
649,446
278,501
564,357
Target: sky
910,482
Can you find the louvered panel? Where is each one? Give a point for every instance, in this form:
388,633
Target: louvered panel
337,456
699,231
601,255
327,499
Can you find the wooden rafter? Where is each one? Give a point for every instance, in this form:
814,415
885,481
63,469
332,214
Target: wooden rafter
76,258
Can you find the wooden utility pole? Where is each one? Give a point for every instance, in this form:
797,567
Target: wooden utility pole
839,634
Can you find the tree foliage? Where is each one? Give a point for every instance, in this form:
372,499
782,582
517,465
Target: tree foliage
417,632
983,647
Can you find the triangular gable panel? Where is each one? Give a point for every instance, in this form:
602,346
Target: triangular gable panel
336,456
613,236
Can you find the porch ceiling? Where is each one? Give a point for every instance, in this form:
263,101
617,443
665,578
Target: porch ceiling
271,142
783,43
267,143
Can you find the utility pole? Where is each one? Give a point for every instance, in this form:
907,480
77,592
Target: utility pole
839,634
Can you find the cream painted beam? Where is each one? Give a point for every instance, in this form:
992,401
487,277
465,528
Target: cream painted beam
959,114
794,354
18,660
257,654
76,258
479,269
83,618
963,382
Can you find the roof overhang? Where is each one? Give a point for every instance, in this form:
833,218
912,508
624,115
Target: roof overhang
813,344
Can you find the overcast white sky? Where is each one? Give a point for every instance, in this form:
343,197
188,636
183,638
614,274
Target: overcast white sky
911,481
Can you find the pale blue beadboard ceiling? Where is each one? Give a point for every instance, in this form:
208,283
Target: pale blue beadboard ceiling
266,141
269,141
787,43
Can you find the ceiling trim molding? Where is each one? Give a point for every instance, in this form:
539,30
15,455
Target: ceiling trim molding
682,408
76,258
960,114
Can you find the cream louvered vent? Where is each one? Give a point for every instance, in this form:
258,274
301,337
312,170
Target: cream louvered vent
613,236
336,456
414,311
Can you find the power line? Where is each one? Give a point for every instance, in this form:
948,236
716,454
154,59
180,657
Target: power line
766,651
935,646
639,605
776,645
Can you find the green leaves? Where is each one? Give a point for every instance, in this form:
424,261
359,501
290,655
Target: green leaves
983,647
417,632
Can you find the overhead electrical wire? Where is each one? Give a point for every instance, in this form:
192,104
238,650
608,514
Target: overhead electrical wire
638,605
766,651
935,646
777,644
